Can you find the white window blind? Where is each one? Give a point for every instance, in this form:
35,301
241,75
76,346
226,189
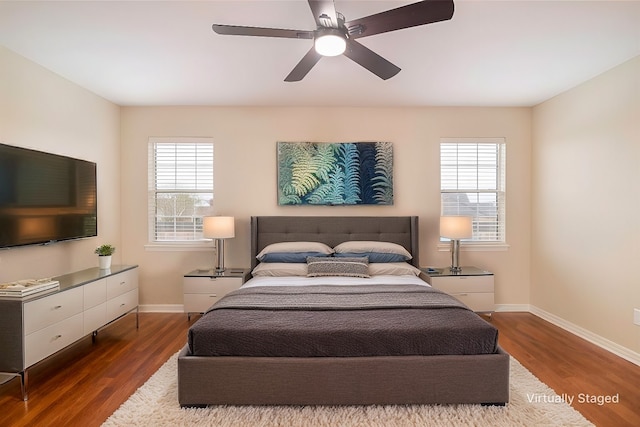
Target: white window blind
472,183
180,187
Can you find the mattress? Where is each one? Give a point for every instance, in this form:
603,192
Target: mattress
340,317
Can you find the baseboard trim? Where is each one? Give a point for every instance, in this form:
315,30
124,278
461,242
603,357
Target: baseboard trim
161,308
602,342
513,307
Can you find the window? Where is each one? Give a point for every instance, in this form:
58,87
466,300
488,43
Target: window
180,188
472,183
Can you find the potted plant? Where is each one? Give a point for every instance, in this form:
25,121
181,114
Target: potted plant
104,253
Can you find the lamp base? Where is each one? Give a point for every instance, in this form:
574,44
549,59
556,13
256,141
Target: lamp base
220,252
455,256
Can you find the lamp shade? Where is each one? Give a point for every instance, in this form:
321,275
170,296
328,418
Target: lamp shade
456,227
218,227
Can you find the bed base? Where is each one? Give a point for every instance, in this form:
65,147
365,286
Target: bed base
481,379
446,379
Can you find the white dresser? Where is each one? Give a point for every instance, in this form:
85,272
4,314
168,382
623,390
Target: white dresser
35,327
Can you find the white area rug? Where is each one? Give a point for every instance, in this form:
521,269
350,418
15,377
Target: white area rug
532,403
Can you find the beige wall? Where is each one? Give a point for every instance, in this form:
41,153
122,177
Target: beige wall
41,110
572,184
245,178
586,205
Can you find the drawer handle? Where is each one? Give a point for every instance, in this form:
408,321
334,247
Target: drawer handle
213,296
462,295
122,283
57,337
57,307
122,305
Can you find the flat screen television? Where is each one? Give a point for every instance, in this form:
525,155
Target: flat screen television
45,198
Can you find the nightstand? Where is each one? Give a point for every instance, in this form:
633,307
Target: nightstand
202,288
472,286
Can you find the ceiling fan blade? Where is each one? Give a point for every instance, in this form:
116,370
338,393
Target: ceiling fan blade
304,66
370,60
411,15
238,30
324,12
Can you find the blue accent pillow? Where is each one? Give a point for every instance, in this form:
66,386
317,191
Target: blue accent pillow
297,257
374,256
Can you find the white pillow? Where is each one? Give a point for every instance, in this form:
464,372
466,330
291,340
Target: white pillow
280,269
393,268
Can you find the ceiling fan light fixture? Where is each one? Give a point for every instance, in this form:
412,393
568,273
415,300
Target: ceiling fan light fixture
330,42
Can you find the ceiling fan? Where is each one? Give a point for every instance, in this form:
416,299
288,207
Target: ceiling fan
335,36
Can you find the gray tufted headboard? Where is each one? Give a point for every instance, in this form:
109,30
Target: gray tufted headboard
333,230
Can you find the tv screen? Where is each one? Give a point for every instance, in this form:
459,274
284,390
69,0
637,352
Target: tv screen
45,198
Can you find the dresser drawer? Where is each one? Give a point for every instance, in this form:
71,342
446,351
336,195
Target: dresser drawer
121,283
51,339
94,318
95,293
121,304
456,284
46,311
478,301
204,285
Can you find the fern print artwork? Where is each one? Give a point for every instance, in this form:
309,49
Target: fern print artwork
345,173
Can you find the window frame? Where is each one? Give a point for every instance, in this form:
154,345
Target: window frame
152,191
500,191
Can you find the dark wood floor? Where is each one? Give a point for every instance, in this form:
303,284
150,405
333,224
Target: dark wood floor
83,385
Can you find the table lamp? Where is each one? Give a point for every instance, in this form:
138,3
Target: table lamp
219,228
456,228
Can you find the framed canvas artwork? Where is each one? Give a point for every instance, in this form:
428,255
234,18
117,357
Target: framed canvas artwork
344,173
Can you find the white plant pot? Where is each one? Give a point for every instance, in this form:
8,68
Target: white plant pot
105,262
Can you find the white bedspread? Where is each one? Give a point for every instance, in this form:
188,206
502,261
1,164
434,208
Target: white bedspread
336,281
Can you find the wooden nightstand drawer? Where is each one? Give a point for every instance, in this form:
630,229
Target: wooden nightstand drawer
207,285
199,303
480,301
473,286
458,284
203,288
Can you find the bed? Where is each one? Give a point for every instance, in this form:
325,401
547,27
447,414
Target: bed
382,367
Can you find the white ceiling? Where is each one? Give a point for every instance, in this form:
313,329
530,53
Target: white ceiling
492,53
